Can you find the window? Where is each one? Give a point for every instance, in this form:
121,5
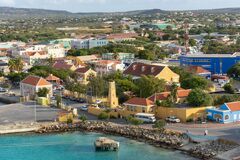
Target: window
226,117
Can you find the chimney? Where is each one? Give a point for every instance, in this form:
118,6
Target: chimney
143,68
152,69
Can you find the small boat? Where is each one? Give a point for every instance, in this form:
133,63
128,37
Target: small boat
106,144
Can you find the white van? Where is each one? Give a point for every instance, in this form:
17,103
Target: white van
147,118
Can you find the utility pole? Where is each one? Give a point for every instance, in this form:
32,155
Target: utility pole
186,36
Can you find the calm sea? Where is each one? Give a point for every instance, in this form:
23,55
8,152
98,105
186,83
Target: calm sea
78,146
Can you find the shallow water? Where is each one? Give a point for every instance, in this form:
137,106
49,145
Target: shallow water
78,146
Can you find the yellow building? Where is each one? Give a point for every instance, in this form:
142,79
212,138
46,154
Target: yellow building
84,74
183,114
162,72
137,105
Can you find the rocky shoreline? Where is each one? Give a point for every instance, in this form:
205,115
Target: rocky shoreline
157,137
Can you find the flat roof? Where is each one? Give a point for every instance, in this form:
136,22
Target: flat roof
211,55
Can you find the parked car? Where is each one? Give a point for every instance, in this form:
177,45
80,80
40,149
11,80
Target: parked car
81,100
84,108
173,119
98,101
146,118
3,90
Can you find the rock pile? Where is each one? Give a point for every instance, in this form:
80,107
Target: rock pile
211,149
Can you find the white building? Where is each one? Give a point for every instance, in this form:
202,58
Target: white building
31,85
108,66
88,43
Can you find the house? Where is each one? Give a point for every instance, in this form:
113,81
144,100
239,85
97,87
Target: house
182,94
31,85
138,105
215,63
226,113
108,66
89,58
162,72
33,58
53,79
199,71
84,74
64,65
118,37
126,58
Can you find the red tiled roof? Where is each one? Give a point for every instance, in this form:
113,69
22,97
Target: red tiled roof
234,106
62,65
197,69
164,95
139,101
106,62
35,81
139,69
52,78
82,70
122,35
33,53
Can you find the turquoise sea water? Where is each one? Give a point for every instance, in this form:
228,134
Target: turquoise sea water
78,146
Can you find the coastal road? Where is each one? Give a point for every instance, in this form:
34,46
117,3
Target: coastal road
226,131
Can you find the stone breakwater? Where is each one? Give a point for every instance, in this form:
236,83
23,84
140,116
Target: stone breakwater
211,149
157,137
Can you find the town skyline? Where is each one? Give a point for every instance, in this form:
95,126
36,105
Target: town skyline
120,6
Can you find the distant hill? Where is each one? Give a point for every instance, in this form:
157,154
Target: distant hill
217,11
10,12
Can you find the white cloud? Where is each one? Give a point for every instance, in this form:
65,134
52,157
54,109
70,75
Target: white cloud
7,2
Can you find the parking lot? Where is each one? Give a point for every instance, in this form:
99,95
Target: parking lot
17,113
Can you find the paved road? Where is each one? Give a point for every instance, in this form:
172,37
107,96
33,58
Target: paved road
231,132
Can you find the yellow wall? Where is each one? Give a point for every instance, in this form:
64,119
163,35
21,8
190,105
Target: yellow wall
96,111
65,117
168,75
182,113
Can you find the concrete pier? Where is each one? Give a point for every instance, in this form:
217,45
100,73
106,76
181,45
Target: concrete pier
106,144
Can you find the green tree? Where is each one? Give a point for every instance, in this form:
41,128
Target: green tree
229,88
58,101
198,97
193,82
149,85
43,92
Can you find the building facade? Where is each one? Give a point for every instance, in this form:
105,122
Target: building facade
31,85
226,113
88,43
215,63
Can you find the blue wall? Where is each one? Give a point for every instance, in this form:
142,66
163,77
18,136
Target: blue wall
232,116
216,65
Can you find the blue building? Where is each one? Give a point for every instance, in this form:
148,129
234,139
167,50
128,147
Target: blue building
226,113
215,63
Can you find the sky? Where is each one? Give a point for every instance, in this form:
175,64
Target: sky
119,5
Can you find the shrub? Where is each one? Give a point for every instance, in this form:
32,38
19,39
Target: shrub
159,124
190,120
134,121
69,121
83,118
103,116
229,88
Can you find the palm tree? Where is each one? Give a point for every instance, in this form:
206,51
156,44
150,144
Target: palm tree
15,64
